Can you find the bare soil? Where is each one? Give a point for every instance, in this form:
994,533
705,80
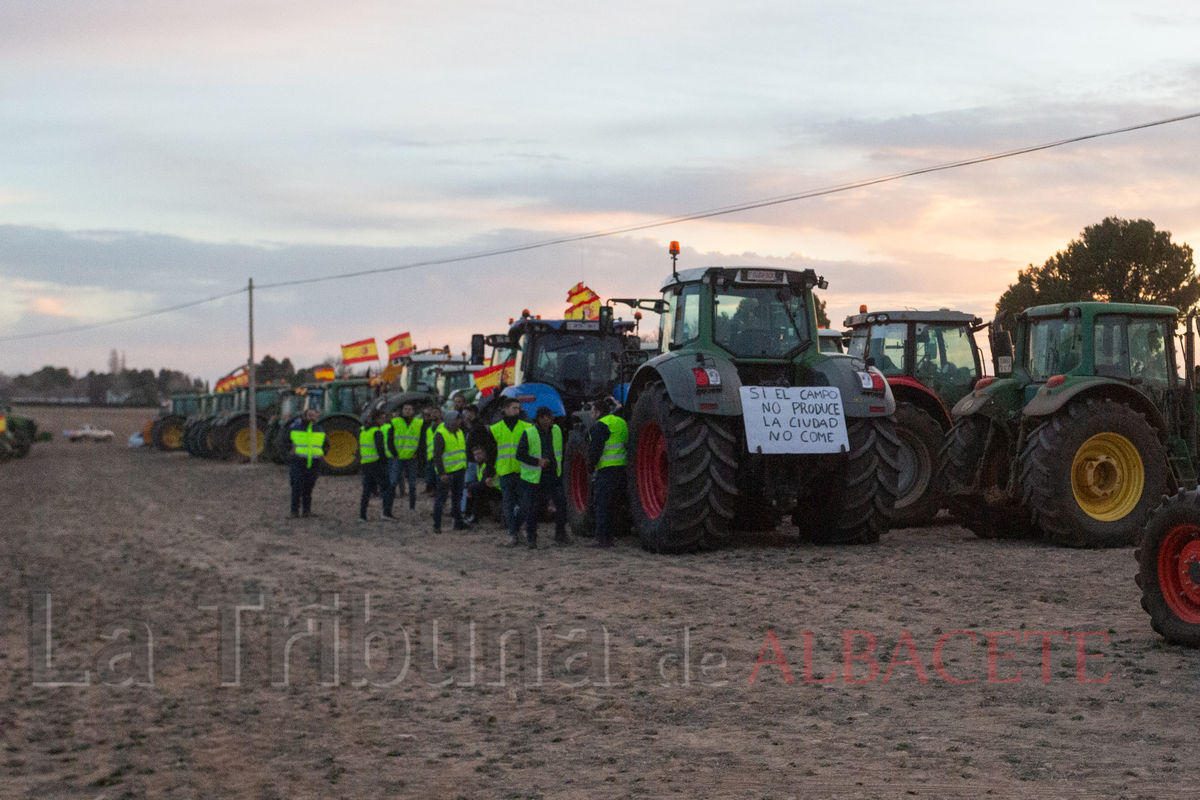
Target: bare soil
141,541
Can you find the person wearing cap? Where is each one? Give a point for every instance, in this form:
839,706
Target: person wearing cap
606,456
507,470
450,461
308,447
374,446
539,453
406,436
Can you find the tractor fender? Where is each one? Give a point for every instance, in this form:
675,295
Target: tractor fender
676,373
910,390
843,373
1049,400
534,395
999,400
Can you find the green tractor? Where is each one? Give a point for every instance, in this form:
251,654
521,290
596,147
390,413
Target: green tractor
931,361
342,405
166,432
741,419
200,432
20,434
231,429
1081,438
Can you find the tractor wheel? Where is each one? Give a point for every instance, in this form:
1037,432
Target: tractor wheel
342,435
577,485
856,502
236,436
1093,473
917,498
1169,569
168,434
6,447
988,509
682,469
210,440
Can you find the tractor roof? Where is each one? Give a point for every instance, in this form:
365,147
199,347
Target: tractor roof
749,275
829,333
1100,307
458,366
565,325
943,316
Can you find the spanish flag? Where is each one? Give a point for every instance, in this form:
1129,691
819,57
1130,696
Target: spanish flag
399,346
584,303
238,377
323,373
510,372
358,352
489,379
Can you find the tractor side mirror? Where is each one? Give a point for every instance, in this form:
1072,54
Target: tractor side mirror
478,346
1001,343
606,319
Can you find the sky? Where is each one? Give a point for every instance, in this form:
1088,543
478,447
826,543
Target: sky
154,152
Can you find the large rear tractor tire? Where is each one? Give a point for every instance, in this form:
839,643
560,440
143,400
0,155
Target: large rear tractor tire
986,508
682,475
857,498
343,456
1169,569
577,485
1093,474
917,497
167,434
237,439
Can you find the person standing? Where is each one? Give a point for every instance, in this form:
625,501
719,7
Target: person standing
608,436
479,443
507,434
308,446
433,418
450,461
539,453
406,435
374,451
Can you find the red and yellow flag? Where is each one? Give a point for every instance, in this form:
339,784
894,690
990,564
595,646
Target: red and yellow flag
358,352
323,373
583,302
400,345
239,377
488,380
510,371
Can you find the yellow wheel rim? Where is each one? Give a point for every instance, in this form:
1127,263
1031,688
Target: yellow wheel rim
343,447
242,442
1107,477
172,436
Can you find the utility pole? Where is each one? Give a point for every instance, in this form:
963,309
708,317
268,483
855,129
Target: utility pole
253,393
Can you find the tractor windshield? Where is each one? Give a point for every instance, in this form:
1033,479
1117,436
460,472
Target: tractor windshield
451,381
945,359
1055,347
1132,348
886,344
759,322
574,363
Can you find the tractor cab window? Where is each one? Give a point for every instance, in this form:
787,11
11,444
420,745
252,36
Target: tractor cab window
945,355
884,343
666,322
574,363
1055,347
759,321
687,316
265,399
1132,349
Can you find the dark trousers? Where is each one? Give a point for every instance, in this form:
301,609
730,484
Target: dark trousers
303,478
431,477
375,481
533,502
451,490
609,483
510,498
404,469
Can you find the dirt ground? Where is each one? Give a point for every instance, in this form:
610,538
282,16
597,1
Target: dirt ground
594,700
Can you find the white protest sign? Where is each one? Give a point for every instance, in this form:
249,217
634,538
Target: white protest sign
794,419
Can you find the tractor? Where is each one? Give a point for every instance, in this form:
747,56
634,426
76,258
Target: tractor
1168,557
343,402
20,433
199,430
831,341
231,429
741,420
1089,428
166,432
931,361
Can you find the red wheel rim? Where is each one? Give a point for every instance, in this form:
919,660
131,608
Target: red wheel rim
652,470
580,490
1179,571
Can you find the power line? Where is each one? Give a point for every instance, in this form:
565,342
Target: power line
658,223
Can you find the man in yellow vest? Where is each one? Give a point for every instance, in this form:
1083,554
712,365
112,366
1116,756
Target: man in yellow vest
608,437
308,445
450,461
540,454
406,435
374,447
507,433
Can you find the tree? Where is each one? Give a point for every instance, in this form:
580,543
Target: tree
1119,260
822,317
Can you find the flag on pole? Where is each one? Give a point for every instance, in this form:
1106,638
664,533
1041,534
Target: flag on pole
358,352
400,345
583,302
323,373
488,380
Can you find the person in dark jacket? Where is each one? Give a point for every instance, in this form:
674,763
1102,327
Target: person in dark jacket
481,451
433,418
607,436
539,452
307,445
450,461
374,444
505,469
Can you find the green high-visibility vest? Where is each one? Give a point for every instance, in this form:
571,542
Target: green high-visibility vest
389,444
406,436
433,429
613,454
533,436
506,446
308,443
454,450
366,445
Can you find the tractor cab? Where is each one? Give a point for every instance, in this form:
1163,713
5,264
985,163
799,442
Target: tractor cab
455,377
417,370
831,340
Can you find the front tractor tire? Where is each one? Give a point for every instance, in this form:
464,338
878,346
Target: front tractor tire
342,457
917,498
237,439
682,474
1093,474
577,485
974,471
1169,569
854,501
167,433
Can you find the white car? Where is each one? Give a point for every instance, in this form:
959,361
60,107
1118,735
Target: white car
88,433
